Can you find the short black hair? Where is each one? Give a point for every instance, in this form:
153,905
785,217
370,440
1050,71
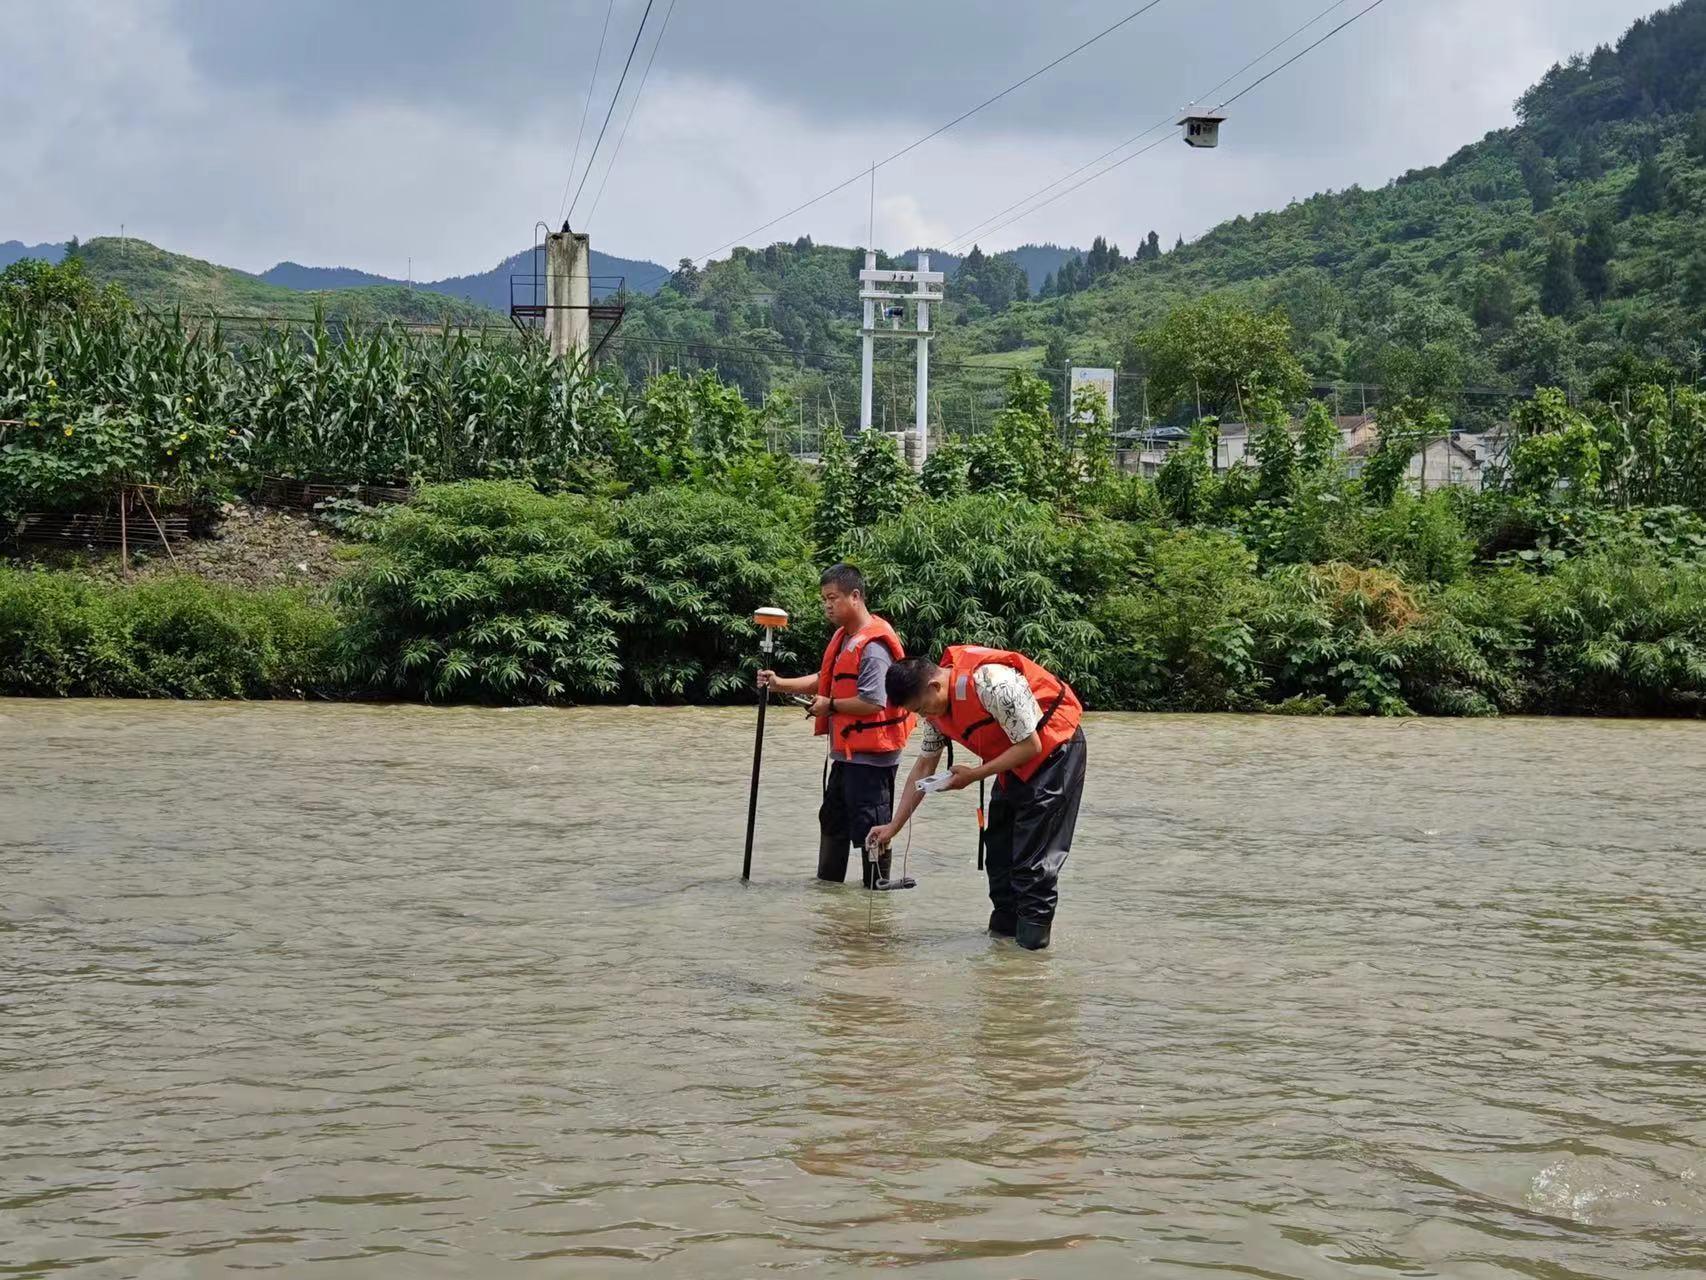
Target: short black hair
907,680
844,578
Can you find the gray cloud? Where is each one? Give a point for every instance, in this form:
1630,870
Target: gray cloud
364,133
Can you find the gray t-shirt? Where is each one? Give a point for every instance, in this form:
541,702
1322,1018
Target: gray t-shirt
874,666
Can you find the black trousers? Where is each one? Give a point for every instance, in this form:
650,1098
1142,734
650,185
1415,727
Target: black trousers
1030,834
856,797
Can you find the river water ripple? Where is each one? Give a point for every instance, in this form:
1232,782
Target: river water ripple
392,991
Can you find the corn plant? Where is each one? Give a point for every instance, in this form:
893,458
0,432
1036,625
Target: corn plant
94,401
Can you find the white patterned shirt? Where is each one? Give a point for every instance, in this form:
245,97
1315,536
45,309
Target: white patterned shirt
1006,695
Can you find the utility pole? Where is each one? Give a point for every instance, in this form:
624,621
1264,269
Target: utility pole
927,287
568,292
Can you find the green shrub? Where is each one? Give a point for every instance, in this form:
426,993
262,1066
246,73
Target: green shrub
997,571
944,475
883,483
1621,634
1422,539
694,566
177,637
487,592
1177,636
1341,634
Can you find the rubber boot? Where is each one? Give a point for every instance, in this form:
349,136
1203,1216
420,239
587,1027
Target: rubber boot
1003,924
832,858
1033,936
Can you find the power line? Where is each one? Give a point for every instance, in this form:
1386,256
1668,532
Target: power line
586,108
1301,54
1146,150
614,99
633,109
934,133
1166,120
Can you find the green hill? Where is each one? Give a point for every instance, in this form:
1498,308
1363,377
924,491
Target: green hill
1543,254
1548,253
158,279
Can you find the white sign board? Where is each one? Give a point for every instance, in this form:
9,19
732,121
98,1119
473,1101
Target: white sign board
1101,379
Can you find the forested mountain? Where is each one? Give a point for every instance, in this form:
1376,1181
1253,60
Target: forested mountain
155,278
488,288
16,251
1544,253
1548,252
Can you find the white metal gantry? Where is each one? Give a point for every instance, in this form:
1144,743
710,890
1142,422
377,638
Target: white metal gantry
927,288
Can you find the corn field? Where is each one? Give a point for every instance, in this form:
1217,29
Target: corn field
91,401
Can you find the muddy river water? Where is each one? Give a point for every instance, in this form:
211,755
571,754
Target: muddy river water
394,991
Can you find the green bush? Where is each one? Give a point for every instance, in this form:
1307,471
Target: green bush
1177,636
694,565
1621,634
996,571
177,637
487,591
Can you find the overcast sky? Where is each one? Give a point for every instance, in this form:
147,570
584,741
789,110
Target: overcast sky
366,132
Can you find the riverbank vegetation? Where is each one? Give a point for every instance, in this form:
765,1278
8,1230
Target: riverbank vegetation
576,539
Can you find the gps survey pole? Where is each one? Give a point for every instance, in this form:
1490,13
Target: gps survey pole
771,620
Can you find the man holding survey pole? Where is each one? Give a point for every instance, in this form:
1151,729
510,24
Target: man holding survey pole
1022,721
850,707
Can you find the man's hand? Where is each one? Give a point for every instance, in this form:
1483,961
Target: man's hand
963,776
766,678
880,836
819,706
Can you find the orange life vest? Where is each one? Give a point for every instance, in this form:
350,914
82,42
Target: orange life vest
838,678
968,724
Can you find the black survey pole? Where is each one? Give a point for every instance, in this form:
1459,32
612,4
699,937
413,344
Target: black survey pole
769,619
752,798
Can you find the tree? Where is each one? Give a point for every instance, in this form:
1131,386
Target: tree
1318,444
1559,289
1694,280
1178,244
1539,351
1090,415
1537,177
1384,472
1184,479
1492,298
1153,247
65,286
1590,160
1221,352
686,279
997,281
1056,357
1276,463
1697,135
1593,257
882,482
1556,447
944,475
1646,194
1426,350
833,520
1025,433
